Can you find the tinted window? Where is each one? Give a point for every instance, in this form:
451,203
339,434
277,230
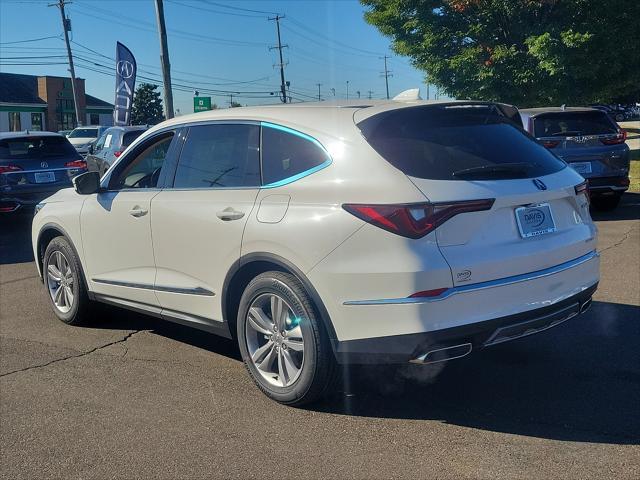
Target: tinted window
573,124
84,132
286,154
220,156
27,148
143,171
129,137
457,142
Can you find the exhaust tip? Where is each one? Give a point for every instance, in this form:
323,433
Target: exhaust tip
444,354
586,305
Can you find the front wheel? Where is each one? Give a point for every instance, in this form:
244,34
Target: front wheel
63,278
282,343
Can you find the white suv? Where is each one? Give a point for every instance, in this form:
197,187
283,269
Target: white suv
322,234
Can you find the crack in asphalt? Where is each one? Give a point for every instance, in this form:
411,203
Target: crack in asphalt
78,355
624,238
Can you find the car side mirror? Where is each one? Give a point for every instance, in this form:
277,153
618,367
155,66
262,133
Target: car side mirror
91,148
87,183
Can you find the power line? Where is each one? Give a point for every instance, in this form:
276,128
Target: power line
202,9
30,40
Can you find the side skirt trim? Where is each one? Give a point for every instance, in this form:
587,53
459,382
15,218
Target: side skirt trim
158,288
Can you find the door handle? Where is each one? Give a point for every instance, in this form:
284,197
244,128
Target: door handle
229,214
138,211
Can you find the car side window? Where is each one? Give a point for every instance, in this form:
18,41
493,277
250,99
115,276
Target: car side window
220,156
287,153
143,171
100,143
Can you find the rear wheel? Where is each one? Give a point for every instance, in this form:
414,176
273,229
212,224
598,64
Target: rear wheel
607,203
65,283
283,345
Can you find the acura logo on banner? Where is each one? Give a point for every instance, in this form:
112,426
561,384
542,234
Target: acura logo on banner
125,84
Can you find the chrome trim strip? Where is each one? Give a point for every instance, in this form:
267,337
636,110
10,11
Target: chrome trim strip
157,288
22,172
482,285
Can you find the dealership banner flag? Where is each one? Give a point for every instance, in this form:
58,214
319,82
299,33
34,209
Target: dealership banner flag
125,83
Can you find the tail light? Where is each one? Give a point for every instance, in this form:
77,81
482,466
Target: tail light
9,168
415,220
76,164
617,139
117,154
583,188
550,143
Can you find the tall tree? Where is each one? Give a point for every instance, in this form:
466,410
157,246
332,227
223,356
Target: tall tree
147,105
526,52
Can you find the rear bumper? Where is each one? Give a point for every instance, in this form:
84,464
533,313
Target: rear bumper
398,330
27,197
608,185
429,347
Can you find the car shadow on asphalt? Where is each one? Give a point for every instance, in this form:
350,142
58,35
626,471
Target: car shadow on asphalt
577,382
15,238
629,209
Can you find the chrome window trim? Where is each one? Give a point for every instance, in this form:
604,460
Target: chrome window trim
158,288
482,285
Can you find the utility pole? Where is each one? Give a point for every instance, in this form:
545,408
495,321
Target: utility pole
283,87
164,60
347,89
370,92
319,85
66,26
231,100
386,74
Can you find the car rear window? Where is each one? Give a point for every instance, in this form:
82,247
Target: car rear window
36,147
569,124
129,137
84,133
457,142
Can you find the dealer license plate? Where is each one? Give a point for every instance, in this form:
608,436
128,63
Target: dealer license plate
535,220
45,177
581,167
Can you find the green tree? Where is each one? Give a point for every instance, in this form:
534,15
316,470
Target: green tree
147,105
526,52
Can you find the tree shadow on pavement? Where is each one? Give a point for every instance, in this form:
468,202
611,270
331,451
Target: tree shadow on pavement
577,382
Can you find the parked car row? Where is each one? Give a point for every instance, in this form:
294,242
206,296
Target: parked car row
620,113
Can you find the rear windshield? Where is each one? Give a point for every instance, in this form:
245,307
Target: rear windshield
26,148
129,137
457,142
569,124
84,133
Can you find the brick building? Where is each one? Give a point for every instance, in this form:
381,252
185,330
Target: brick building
30,102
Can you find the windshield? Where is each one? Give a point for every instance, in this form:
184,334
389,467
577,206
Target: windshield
457,142
26,148
84,133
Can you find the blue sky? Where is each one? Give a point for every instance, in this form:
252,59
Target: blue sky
213,44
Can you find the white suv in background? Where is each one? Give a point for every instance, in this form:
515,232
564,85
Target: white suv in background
323,234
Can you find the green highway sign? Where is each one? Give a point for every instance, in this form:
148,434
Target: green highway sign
201,104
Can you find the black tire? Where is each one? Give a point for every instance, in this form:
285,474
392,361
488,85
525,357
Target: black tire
318,372
81,305
606,204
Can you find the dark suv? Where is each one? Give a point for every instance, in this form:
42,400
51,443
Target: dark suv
33,166
590,142
110,146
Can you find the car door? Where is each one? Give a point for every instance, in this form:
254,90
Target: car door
197,224
116,227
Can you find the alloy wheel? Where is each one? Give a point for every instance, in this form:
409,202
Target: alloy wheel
275,341
60,281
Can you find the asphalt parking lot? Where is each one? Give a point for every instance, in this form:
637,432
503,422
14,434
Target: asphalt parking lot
130,397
